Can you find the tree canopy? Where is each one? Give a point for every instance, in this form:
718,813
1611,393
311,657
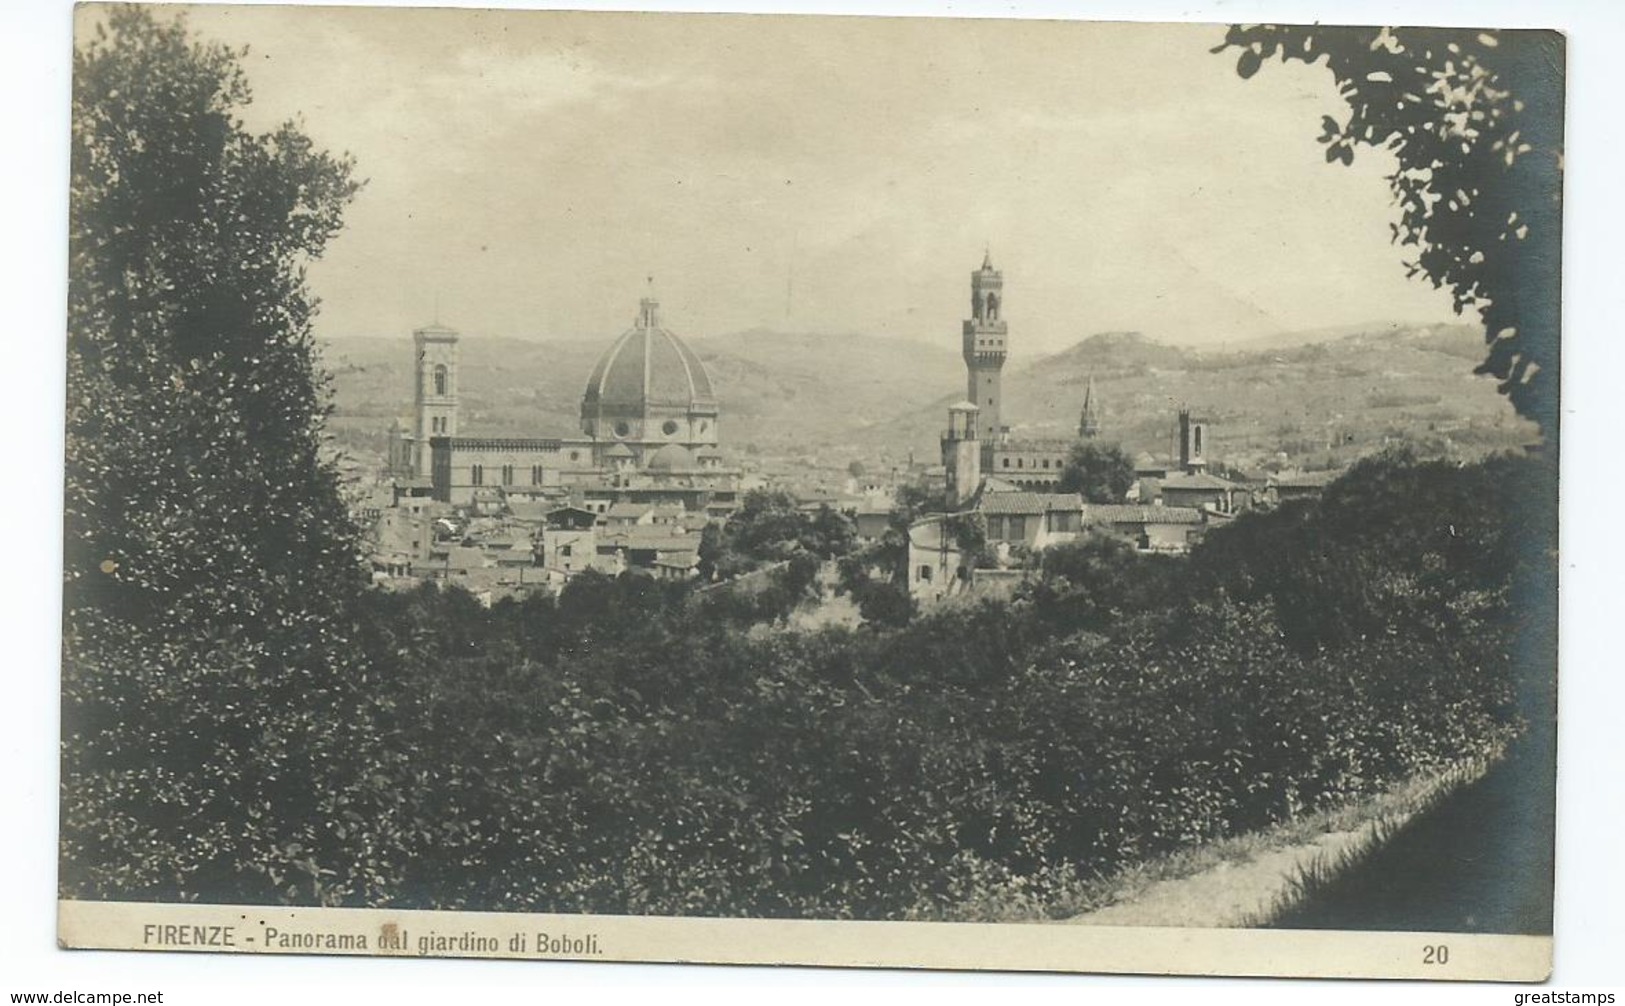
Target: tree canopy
1474,120
217,735
1101,472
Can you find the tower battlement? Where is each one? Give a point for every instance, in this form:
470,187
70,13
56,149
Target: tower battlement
986,344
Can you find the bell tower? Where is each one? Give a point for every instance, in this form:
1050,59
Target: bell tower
1192,450
985,346
434,395
961,456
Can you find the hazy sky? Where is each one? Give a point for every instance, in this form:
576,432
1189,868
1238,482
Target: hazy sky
822,174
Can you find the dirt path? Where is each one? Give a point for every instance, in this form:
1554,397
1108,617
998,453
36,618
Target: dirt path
1227,895
1257,879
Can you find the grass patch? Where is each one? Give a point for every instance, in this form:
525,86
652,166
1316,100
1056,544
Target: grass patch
1063,891
1411,801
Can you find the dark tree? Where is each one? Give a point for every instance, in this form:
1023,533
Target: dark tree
1475,120
830,534
712,552
913,502
1101,472
219,734
767,526
886,604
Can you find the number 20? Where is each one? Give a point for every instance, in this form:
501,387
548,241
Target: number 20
1436,954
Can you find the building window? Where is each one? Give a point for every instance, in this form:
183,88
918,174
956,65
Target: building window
565,550
535,475
1196,435
669,426
507,475
1018,527
440,380
925,574
1006,462
995,527
476,475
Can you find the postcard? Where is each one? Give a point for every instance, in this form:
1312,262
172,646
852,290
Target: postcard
849,491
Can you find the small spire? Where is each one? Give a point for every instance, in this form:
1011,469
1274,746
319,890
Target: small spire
1089,420
987,256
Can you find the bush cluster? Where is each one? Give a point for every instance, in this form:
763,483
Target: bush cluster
636,748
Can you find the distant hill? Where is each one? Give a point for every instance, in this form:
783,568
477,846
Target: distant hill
1335,391
1310,337
1323,397
778,390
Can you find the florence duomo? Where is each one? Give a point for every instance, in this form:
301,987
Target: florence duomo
649,417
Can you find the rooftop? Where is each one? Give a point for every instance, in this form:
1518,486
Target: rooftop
1202,481
1306,480
633,511
1027,503
1125,513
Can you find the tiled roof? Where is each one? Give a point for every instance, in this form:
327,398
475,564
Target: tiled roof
1202,481
642,540
1027,503
1120,513
1036,445
463,557
1306,480
929,534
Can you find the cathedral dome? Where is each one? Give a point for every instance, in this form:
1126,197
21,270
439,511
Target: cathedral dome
649,387
671,458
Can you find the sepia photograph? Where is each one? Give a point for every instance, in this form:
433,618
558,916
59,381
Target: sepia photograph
909,492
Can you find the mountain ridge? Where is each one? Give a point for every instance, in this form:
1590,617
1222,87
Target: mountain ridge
884,396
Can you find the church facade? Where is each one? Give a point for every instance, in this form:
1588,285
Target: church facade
649,423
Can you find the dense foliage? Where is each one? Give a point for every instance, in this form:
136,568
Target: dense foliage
634,747
1475,122
1101,472
218,737
770,527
